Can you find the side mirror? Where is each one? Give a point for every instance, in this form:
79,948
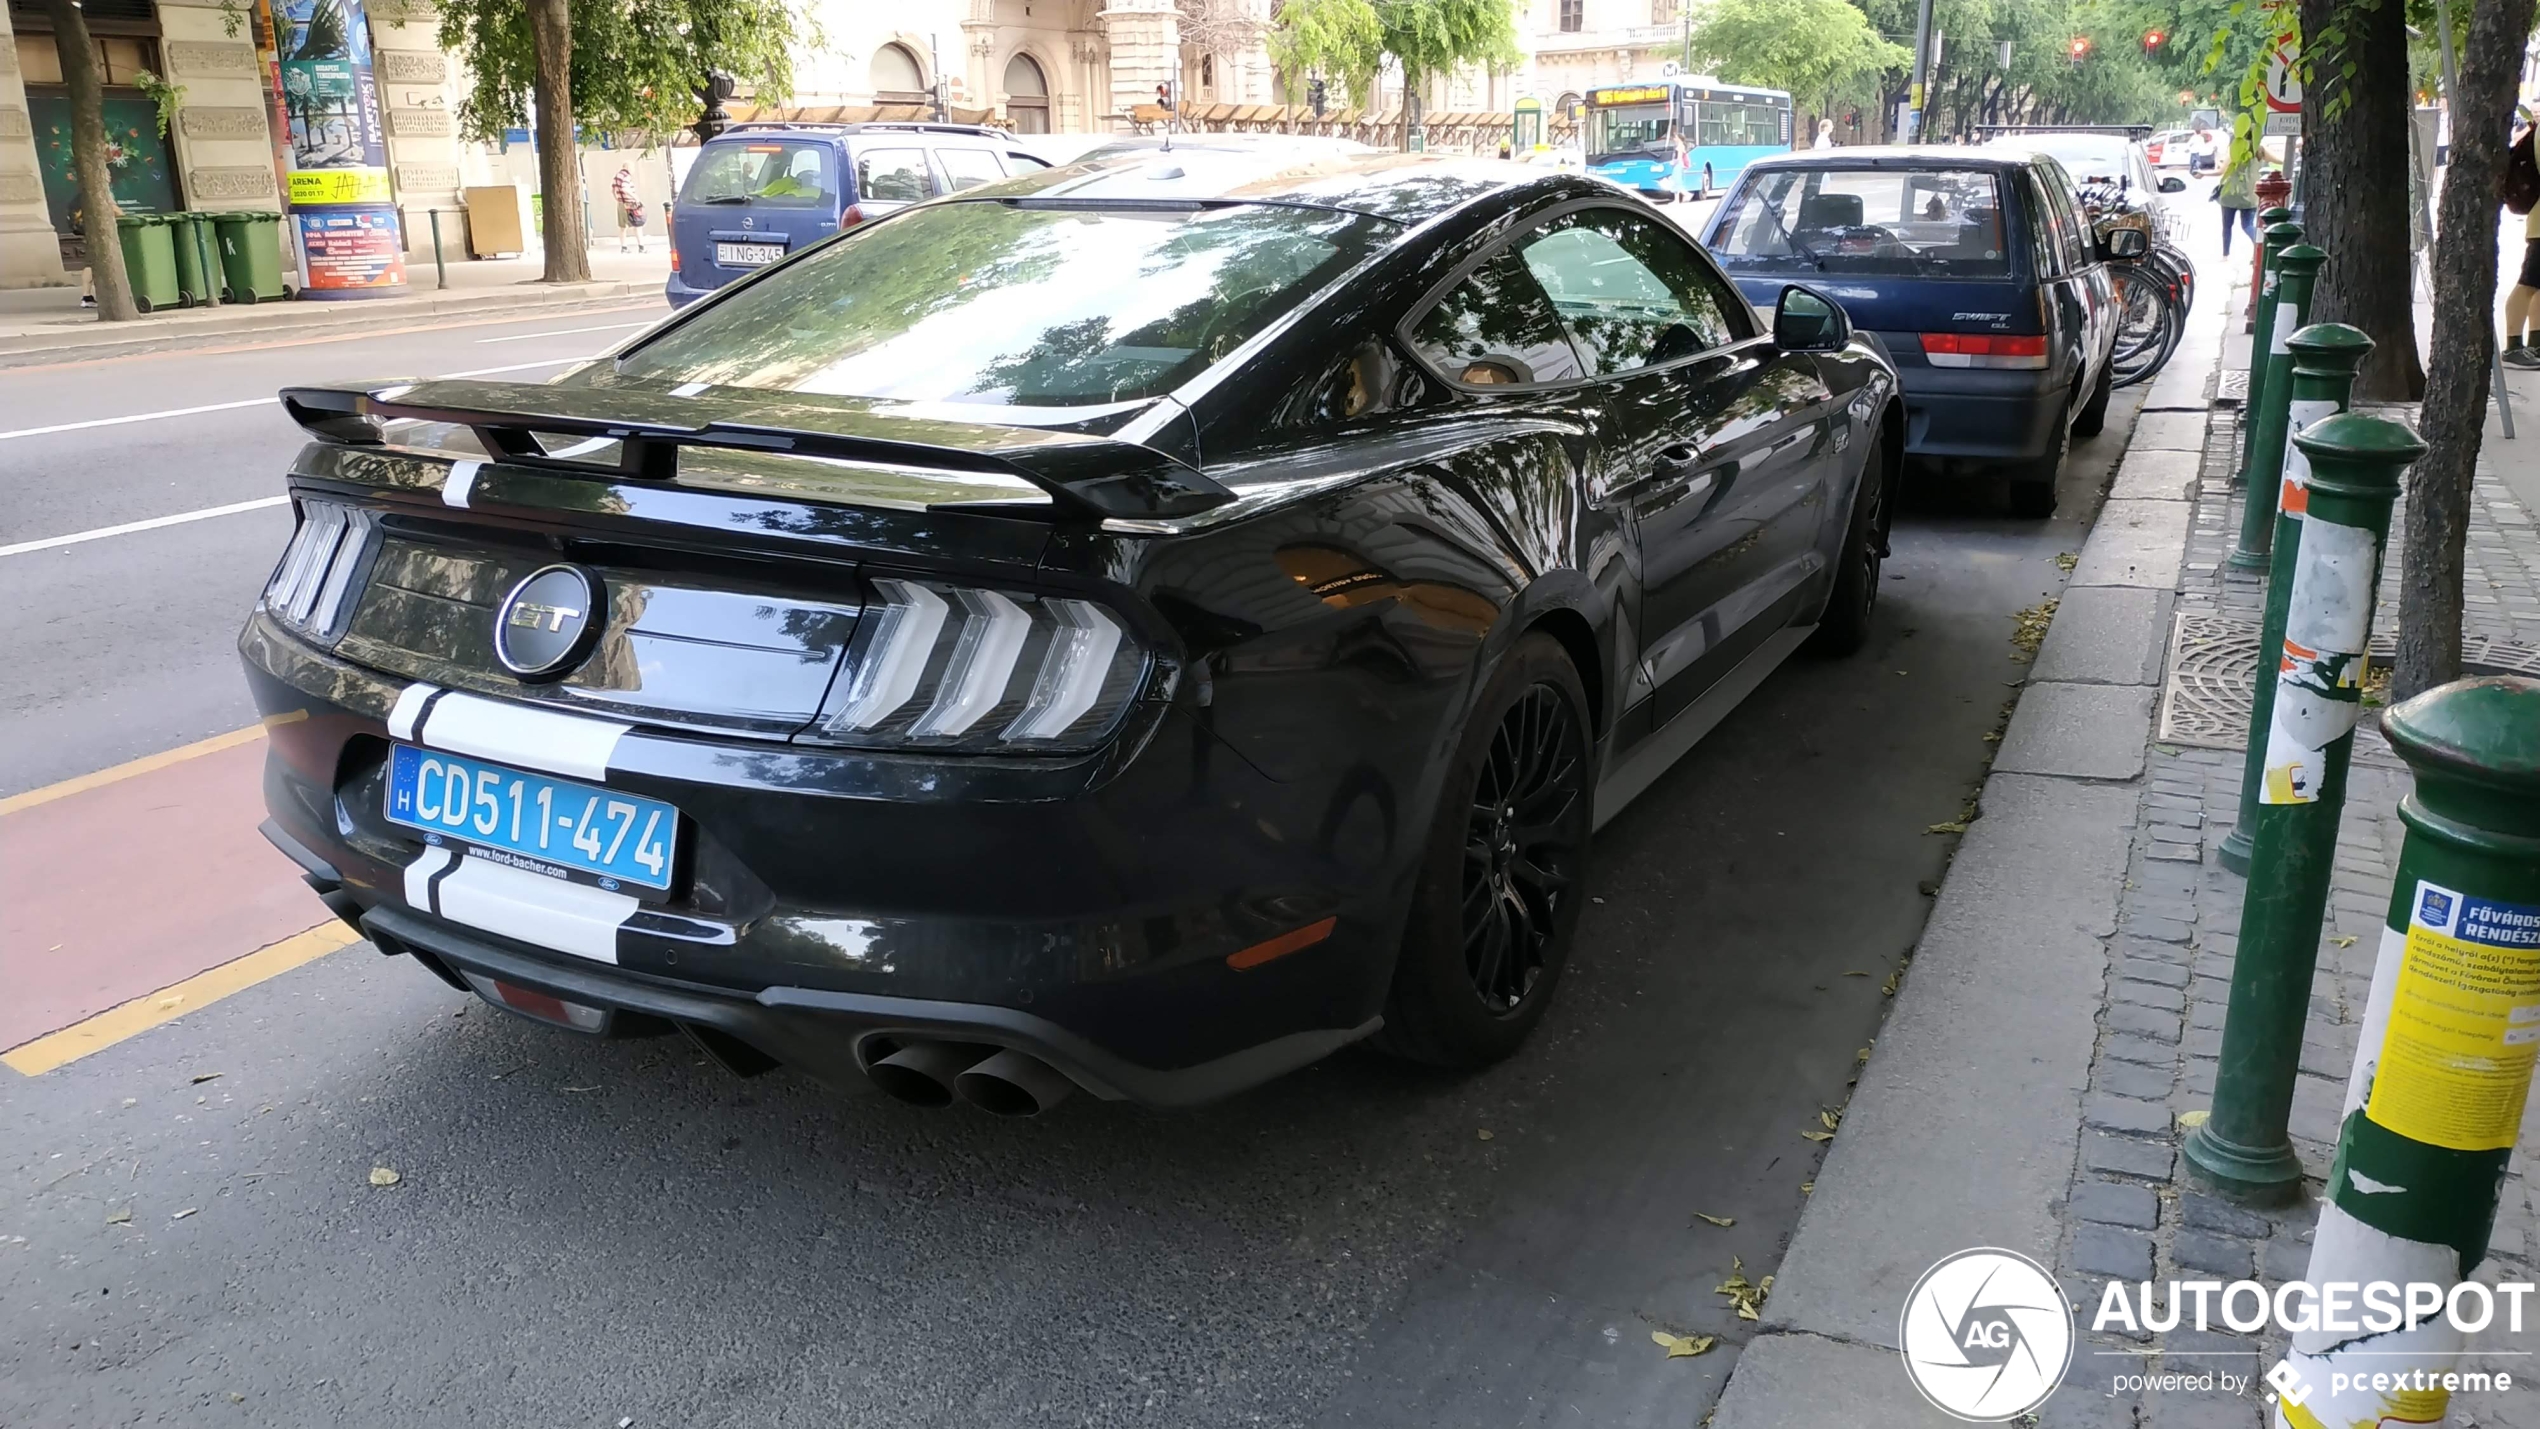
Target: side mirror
2172,184
2124,244
1805,320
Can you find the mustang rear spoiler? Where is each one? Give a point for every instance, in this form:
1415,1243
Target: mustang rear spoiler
515,420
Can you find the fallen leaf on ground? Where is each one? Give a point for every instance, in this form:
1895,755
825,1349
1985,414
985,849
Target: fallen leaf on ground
120,1218
2341,942
1717,1220
1807,1188
1484,1134
1818,1135
1950,827
1831,1120
201,1077
181,1215
2193,1118
2066,560
1855,974
578,1089
382,1176
1681,1346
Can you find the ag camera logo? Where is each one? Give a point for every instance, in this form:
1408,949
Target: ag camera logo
1986,1335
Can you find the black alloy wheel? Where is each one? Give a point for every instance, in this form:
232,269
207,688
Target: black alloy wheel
1519,847
1503,877
1852,599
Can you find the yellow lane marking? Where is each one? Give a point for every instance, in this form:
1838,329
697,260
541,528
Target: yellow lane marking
116,775
113,1025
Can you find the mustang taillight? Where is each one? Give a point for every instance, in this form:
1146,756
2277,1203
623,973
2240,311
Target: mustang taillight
313,585
959,667
1983,349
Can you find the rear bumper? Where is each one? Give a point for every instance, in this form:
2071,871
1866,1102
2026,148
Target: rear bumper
1977,413
1083,914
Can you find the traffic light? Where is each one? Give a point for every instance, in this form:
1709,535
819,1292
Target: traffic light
2080,47
2152,40
1314,96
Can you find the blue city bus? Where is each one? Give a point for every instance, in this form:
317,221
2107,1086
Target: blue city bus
1632,129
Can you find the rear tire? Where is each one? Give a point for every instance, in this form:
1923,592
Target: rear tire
2094,413
2032,494
1845,625
1504,875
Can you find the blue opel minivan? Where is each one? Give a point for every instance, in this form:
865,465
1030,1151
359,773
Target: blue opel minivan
1974,267
761,191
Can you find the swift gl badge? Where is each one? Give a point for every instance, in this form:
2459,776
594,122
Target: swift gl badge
549,622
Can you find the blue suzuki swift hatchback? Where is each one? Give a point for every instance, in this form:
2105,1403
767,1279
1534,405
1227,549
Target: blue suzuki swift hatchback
1989,288
761,191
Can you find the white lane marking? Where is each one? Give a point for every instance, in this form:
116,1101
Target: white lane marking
153,524
569,331
249,402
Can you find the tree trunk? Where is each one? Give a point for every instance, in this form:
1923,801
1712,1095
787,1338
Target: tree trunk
2456,384
2354,190
559,162
88,158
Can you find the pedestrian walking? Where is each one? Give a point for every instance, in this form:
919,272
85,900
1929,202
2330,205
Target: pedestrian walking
2203,148
630,209
2522,193
2238,195
1825,134
1682,182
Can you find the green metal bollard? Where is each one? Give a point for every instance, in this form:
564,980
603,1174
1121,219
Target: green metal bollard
2435,1101
2297,273
2242,1149
2326,357
2262,320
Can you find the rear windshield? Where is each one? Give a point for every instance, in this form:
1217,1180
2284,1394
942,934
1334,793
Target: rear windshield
2087,156
776,174
1002,304
1943,222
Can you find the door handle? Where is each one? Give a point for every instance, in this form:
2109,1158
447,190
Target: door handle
1683,463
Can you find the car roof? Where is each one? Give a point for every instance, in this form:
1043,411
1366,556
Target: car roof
1898,156
1403,188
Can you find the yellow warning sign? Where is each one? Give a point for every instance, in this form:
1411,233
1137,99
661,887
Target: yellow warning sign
2464,1023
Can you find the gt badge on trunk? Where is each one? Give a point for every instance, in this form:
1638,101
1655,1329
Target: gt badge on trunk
549,621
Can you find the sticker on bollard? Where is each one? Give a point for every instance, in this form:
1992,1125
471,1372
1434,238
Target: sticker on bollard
2293,497
2319,685
2463,1023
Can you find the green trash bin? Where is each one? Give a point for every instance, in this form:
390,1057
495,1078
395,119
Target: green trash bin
194,284
250,257
149,260
207,248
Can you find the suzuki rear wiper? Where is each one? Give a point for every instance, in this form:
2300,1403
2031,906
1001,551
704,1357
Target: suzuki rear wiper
721,198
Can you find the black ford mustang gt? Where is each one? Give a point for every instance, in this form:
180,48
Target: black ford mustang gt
1135,628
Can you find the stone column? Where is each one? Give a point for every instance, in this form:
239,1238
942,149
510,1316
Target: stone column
222,140
417,88
984,85
1145,50
1256,82
30,252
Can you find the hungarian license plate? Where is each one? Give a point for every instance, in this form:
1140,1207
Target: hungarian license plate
529,820
748,255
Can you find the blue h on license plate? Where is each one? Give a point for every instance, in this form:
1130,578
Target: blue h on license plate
620,837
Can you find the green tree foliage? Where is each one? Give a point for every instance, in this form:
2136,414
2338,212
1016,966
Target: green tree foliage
1822,51
635,62
1426,40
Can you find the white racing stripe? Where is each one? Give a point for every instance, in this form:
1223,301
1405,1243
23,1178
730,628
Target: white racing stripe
153,524
507,733
434,858
461,480
533,908
409,708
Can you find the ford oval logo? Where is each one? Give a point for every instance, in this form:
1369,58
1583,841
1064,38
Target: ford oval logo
549,622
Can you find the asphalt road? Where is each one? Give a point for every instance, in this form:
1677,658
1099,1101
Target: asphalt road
588,1233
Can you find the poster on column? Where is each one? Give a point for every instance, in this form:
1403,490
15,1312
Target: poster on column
336,150
348,250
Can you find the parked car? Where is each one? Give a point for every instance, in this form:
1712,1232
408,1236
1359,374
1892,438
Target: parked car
1972,266
2169,148
2107,156
1136,627
758,192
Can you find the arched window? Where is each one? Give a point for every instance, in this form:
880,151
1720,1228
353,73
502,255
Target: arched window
897,78
1208,75
1027,96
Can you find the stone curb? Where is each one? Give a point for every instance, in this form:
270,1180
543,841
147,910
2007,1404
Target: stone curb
98,340
1966,1123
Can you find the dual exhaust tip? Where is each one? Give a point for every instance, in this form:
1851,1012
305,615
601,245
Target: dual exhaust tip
998,1080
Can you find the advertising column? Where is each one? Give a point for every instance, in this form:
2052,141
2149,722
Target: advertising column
334,152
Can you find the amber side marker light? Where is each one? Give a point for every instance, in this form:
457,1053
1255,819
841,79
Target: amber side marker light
1282,945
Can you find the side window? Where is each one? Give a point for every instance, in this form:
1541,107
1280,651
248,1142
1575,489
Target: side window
1022,163
1366,380
2046,238
1496,329
893,175
969,168
1630,293
2068,223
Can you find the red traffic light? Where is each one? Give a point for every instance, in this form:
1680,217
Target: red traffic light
2081,46
2152,39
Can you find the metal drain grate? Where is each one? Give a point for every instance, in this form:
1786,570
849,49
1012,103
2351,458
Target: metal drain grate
2213,668
2232,386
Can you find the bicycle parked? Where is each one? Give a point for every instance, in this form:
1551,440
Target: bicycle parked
2154,292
